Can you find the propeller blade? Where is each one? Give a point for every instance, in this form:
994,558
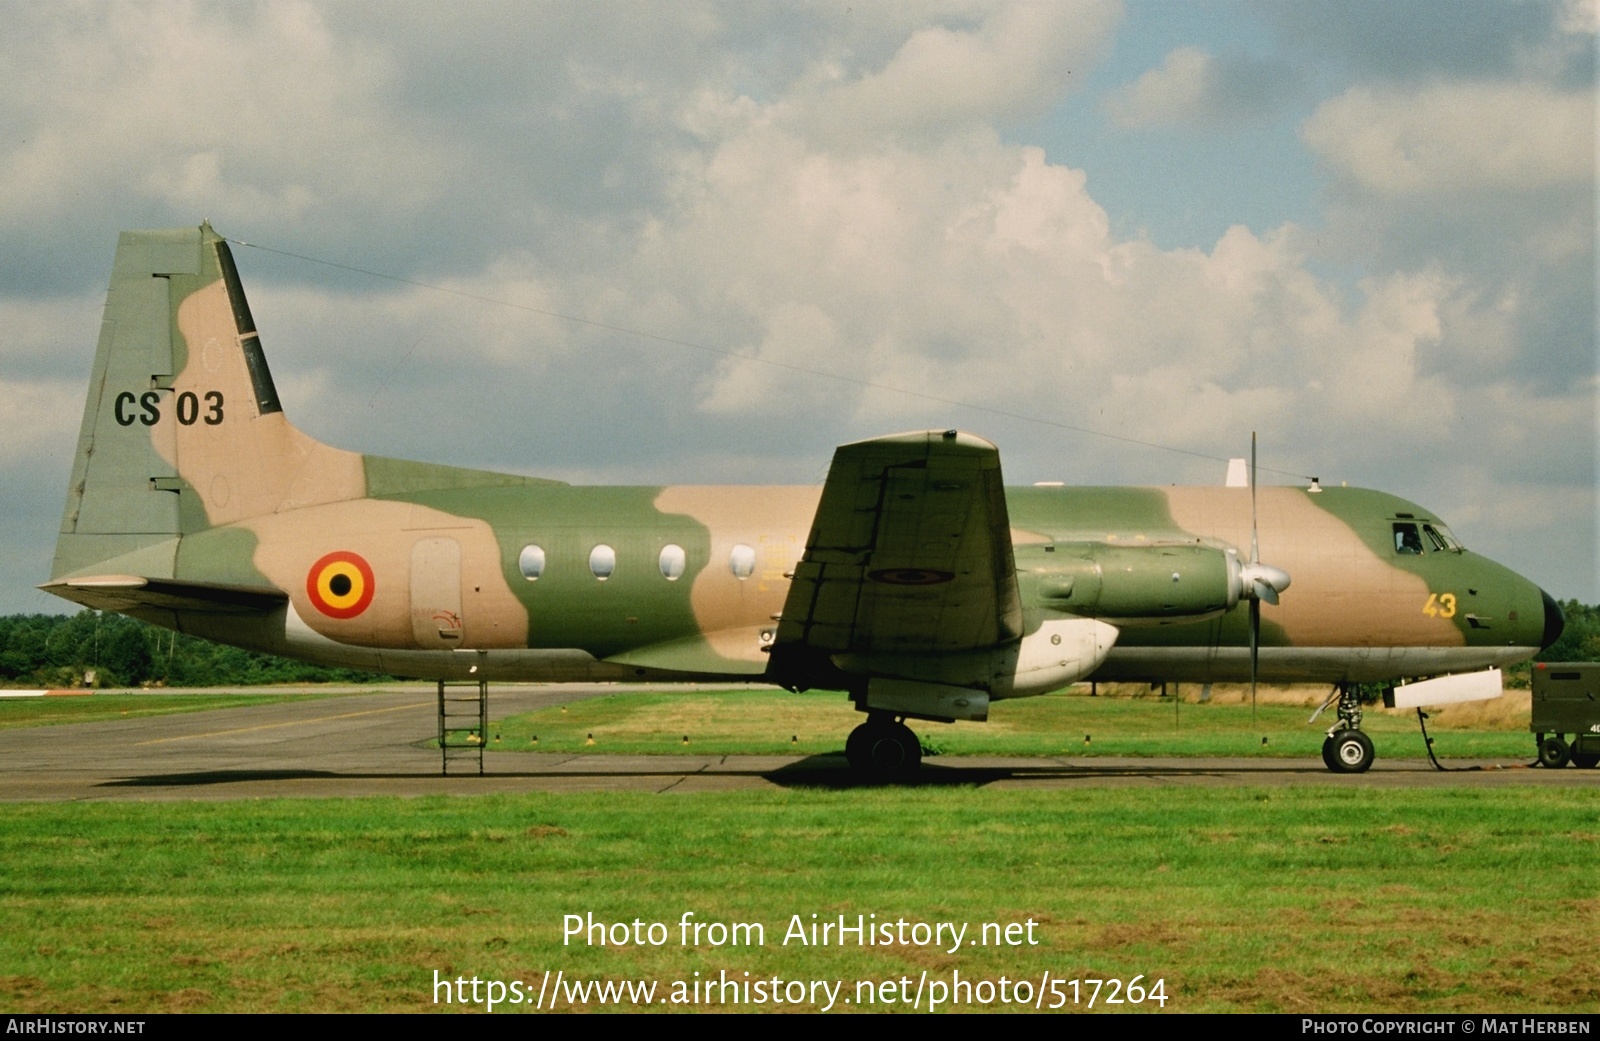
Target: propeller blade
1255,649
1261,586
1255,552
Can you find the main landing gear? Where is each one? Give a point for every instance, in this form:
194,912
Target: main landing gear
883,748
1347,750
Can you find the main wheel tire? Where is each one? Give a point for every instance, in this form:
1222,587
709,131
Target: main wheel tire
1351,752
857,748
883,749
895,752
1586,760
1554,752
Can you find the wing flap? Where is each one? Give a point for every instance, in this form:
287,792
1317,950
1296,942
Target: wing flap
910,551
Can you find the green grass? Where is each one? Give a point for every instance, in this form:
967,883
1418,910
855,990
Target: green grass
771,723
1241,899
50,711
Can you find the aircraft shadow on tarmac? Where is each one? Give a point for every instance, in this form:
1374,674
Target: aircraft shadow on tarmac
831,771
828,771
204,777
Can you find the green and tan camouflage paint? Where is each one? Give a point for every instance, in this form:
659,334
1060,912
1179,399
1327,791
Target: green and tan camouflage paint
188,472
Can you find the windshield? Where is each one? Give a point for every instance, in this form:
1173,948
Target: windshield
1441,538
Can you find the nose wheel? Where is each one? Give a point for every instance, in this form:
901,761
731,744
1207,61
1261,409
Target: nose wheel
1348,752
883,748
1347,749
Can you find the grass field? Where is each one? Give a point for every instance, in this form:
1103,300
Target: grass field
50,711
1240,899
1127,720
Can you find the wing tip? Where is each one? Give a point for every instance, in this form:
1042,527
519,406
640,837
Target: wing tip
947,437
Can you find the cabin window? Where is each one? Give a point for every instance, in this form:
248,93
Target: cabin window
672,561
1406,539
742,561
602,561
531,562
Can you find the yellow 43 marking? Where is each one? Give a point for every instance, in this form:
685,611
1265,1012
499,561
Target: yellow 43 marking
1440,605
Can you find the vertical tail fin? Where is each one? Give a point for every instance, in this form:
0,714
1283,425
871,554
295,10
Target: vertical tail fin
182,430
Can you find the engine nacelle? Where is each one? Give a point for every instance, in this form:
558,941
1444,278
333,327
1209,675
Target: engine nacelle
1139,584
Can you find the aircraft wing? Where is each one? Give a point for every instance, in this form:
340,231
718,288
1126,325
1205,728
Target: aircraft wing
125,592
909,553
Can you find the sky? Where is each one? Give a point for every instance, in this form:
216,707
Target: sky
708,242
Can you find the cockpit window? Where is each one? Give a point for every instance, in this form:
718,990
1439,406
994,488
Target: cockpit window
1441,536
1406,539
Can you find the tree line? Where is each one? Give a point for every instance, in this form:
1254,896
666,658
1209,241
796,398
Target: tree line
102,649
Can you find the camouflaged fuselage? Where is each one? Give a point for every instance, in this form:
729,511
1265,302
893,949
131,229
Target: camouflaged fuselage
194,504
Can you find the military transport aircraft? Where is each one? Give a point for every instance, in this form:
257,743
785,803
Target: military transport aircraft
912,579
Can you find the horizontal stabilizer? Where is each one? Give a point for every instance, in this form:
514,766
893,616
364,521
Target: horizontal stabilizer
125,592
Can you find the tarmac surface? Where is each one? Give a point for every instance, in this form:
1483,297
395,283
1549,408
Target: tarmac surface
376,743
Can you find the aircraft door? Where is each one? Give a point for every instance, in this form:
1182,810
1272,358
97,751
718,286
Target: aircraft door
436,593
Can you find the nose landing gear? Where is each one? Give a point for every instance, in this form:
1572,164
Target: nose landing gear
1347,749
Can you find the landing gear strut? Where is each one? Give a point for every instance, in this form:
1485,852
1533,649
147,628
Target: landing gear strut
883,747
1347,750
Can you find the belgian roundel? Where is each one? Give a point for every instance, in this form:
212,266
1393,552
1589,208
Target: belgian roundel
340,585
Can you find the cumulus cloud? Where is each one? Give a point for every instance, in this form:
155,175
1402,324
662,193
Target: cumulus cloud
1015,61
257,113
981,272
821,190
1454,138
1492,181
1194,88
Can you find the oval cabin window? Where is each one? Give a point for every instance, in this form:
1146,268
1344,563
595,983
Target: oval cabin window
602,561
673,560
531,562
742,561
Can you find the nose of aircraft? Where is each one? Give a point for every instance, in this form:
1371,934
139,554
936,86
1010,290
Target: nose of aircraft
1554,621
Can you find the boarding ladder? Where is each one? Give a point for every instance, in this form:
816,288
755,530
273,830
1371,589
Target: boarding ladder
463,723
